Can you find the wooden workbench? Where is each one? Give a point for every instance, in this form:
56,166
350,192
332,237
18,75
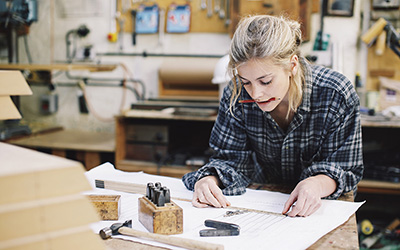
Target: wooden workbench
343,237
88,145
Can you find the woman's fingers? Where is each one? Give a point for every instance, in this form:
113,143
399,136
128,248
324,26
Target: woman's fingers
207,192
196,201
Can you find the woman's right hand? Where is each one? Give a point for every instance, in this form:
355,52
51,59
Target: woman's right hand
207,193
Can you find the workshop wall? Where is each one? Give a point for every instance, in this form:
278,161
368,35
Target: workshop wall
47,45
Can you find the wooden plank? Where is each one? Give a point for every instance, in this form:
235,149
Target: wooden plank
46,215
33,175
41,206
66,67
77,238
13,83
70,140
380,187
151,168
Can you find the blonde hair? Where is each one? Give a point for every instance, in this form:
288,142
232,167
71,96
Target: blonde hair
271,37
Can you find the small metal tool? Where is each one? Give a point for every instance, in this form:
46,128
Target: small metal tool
148,190
125,229
219,229
159,198
107,232
158,194
167,194
232,213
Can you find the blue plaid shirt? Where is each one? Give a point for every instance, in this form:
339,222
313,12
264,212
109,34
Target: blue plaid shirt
323,138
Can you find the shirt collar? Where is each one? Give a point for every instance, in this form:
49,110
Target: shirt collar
307,88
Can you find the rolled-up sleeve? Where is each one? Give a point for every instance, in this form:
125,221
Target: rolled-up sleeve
232,161
341,152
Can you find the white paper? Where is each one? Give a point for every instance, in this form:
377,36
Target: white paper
257,229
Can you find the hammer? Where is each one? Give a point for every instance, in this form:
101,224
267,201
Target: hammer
125,229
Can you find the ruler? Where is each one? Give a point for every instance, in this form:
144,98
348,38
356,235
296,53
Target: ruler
141,189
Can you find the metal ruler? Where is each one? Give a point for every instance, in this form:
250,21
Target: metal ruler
141,189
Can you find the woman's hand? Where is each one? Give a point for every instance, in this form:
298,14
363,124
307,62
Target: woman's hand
207,193
307,194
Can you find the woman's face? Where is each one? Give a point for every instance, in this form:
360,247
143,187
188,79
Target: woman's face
266,83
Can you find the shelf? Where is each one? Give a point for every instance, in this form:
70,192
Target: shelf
88,146
65,67
156,114
379,187
379,121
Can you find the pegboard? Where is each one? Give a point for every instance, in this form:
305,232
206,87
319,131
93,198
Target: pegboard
200,22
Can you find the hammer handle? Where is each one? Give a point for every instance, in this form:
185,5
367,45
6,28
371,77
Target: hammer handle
174,241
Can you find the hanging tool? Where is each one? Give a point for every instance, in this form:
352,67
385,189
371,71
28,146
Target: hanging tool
133,13
221,13
203,4
219,229
217,6
161,27
228,13
392,37
125,229
209,8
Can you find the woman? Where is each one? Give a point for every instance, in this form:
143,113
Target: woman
303,127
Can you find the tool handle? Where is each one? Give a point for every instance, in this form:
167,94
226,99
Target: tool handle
174,241
374,31
381,43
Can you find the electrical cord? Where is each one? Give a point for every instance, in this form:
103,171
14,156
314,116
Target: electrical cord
139,96
82,85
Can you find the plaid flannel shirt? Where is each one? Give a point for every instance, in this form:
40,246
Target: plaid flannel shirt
323,138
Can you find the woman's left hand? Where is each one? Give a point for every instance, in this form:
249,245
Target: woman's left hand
307,195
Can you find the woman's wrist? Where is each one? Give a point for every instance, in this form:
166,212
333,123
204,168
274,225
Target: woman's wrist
326,184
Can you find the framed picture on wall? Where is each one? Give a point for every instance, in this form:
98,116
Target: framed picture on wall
339,8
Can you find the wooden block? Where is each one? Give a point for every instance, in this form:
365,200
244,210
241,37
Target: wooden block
46,215
77,238
107,206
161,220
32,175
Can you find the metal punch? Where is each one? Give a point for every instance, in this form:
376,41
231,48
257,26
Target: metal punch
219,229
